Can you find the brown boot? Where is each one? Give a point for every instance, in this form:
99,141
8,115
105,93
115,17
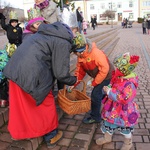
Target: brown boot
55,139
127,144
106,139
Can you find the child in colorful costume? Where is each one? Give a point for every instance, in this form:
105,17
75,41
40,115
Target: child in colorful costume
95,63
120,111
3,80
14,32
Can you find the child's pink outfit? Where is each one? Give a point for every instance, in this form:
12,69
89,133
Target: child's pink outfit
85,25
119,106
120,111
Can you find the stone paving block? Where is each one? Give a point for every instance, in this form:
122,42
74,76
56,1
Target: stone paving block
68,121
109,146
35,143
72,128
63,126
44,147
64,142
5,137
84,130
146,139
68,134
79,117
3,145
137,138
147,125
141,132
85,137
23,144
80,143
75,148
78,122
1,119
142,146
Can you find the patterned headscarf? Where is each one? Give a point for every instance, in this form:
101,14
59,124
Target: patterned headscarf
79,43
126,63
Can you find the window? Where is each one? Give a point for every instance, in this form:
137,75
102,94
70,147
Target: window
130,3
102,6
130,15
119,5
91,6
146,3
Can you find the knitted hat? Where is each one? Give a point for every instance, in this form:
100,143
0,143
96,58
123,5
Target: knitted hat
79,43
33,16
126,63
13,16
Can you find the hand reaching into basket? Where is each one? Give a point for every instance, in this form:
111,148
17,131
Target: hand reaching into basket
69,89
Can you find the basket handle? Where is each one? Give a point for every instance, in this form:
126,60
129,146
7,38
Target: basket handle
83,91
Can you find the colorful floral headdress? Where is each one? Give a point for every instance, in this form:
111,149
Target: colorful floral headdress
126,63
33,13
13,15
79,43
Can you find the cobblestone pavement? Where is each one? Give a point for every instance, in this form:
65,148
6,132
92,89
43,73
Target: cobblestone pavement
78,136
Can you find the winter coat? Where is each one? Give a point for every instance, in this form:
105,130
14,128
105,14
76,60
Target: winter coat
148,24
79,16
144,24
39,59
95,63
85,25
119,106
14,34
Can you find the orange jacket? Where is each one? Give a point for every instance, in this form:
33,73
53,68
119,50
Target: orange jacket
93,62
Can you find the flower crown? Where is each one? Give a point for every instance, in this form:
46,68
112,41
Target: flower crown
126,63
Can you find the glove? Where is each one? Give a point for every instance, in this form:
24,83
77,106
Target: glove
2,16
69,89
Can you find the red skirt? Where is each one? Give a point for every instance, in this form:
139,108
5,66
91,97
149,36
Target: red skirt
26,120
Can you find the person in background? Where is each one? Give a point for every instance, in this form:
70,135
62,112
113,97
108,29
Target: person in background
120,111
95,63
148,25
14,32
85,25
144,26
93,22
79,18
45,56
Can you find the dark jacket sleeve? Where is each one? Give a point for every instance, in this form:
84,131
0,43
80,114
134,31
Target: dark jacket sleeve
3,24
61,63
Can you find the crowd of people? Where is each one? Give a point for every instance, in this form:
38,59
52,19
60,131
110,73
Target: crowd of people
42,55
146,26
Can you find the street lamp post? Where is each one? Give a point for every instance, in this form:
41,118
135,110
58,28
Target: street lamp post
111,16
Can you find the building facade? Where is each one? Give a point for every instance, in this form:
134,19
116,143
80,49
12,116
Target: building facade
144,7
122,8
130,9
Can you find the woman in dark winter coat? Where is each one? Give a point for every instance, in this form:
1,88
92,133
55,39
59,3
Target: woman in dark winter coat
93,21
44,56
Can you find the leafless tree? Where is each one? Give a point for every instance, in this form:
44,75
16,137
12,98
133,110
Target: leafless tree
5,8
109,14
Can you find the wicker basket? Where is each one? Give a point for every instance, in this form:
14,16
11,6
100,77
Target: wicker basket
75,102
